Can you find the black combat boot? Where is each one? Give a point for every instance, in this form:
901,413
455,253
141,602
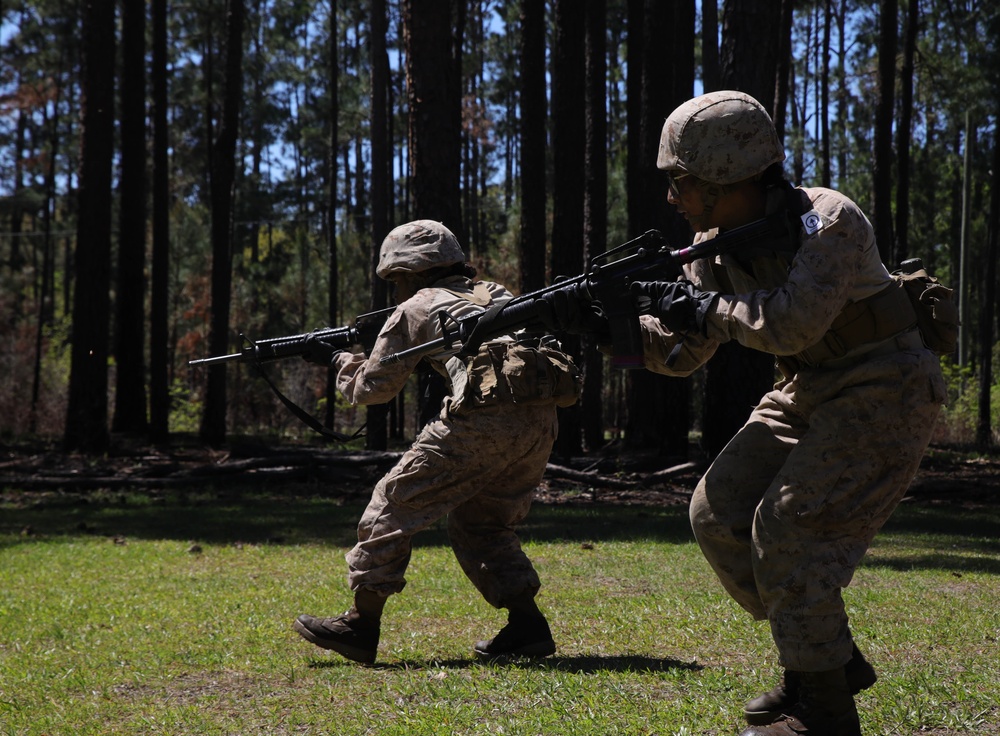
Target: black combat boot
768,707
353,634
825,708
526,634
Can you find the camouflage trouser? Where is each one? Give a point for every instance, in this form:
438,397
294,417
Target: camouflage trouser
479,468
788,509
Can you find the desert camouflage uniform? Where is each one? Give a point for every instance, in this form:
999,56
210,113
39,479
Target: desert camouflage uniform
789,507
477,463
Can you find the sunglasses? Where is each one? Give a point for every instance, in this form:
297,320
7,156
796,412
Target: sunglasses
672,182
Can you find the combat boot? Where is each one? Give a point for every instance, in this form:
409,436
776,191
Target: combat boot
525,635
825,708
768,707
353,634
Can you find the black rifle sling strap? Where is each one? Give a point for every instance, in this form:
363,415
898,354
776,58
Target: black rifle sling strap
304,416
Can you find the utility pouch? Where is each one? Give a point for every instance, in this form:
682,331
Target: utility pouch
934,304
541,373
524,374
537,374
483,386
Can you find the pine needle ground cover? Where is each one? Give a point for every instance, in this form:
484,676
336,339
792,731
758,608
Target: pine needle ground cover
171,614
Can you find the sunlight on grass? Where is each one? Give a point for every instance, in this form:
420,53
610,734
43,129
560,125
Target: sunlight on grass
127,616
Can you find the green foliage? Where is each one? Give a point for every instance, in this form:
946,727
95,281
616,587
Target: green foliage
185,409
960,416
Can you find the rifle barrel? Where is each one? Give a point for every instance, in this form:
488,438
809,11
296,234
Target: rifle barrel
217,359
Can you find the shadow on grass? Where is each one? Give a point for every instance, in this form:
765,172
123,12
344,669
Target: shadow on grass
229,518
580,664
947,537
955,564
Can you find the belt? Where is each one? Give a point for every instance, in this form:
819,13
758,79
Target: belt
909,340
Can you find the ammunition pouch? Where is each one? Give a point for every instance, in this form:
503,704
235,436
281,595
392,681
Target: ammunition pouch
524,373
932,301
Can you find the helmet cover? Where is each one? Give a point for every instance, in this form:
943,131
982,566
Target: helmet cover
418,246
720,137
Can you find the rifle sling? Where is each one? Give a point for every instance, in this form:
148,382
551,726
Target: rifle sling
304,416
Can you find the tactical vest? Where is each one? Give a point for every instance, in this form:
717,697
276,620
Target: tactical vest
868,322
527,371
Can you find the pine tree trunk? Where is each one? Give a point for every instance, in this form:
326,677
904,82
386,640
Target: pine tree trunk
376,437
223,173
824,119
130,335
433,68
658,416
434,90
568,145
595,204
159,379
736,377
984,430
882,164
333,263
531,238
87,411
901,247
710,43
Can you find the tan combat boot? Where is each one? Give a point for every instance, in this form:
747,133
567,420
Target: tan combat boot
825,708
768,707
353,634
526,634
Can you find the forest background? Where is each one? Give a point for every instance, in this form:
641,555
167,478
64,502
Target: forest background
175,175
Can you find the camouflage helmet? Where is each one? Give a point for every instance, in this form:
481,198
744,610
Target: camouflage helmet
720,137
418,246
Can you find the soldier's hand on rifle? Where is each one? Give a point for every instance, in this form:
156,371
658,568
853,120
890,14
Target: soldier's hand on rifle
319,352
679,305
565,310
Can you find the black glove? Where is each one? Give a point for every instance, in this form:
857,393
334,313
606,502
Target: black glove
564,310
319,352
679,305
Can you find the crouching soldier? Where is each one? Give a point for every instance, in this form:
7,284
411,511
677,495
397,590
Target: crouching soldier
477,464
789,507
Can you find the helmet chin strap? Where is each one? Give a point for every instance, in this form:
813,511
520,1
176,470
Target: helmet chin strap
710,195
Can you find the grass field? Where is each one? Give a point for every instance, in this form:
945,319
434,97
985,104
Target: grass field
171,614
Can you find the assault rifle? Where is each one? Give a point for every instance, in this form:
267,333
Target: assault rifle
645,258
363,332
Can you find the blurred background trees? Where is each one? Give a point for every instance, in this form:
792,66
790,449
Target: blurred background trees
174,175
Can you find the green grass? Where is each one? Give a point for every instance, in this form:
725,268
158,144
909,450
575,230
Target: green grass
111,624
